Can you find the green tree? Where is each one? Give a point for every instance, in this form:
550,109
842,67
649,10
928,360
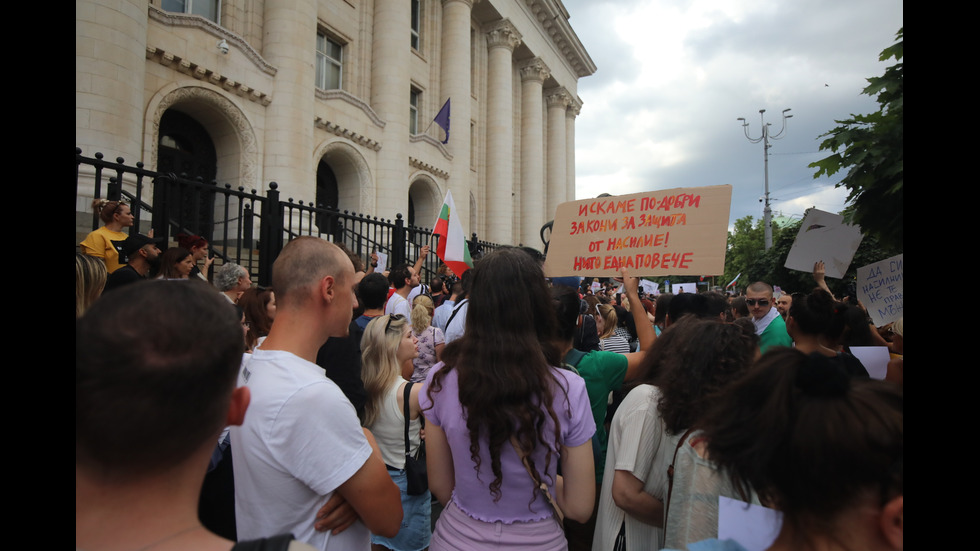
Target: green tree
870,147
747,253
769,266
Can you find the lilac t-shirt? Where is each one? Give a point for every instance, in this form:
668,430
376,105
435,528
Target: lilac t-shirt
472,490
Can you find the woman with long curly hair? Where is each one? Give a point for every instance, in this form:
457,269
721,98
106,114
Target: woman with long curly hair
115,216
684,368
387,344
501,416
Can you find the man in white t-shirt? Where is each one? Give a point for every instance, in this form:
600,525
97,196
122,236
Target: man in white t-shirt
404,279
301,448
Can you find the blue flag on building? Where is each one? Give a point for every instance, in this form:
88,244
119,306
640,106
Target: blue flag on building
442,119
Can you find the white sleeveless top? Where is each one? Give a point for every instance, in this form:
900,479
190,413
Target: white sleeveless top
389,428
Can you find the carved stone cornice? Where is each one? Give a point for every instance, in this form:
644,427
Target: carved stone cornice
421,165
503,34
535,69
196,21
469,3
201,73
344,95
433,142
338,130
553,18
557,97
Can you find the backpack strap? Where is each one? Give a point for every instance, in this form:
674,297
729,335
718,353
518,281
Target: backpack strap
455,311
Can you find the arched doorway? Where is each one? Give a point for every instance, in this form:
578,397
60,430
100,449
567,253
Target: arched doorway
185,149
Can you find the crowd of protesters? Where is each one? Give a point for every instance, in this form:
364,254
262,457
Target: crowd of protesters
551,416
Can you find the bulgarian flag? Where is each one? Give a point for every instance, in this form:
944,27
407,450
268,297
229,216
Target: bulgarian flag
452,241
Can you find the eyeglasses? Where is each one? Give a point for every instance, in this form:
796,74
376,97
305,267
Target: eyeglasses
760,301
391,318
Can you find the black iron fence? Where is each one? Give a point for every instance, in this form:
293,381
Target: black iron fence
229,218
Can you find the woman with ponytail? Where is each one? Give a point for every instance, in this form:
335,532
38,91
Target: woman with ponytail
822,447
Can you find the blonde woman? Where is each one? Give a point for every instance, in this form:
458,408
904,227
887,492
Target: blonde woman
387,344
90,276
431,339
609,341
98,243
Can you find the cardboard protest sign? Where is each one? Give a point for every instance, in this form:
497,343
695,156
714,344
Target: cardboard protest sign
824,236
879,288
657,233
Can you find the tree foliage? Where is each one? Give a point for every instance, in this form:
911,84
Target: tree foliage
747,254
870,147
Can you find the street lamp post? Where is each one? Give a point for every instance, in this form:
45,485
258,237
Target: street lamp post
764,138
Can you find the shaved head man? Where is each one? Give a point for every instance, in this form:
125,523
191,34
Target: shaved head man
783,303
769,325
301,448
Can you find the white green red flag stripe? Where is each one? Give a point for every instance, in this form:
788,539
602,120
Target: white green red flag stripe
452,247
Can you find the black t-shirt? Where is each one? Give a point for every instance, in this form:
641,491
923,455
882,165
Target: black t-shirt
123,276
340,358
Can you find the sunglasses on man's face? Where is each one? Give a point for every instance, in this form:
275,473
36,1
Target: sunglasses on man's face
754,301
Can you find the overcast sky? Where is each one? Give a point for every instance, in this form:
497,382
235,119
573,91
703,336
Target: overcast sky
674,75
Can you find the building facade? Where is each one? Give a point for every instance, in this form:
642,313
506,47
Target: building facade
334,100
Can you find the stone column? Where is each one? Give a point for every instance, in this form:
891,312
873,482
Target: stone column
533,75
455,84
574,108
390,89
558,100
110,68
501,40
287,45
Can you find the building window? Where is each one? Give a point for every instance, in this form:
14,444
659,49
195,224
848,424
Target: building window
207,9
414,100
417,25
329,63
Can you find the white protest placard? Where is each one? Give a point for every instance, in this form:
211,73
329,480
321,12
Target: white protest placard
754,527
679,288
879,288
382,262
650,287
824,236
657,233
873,358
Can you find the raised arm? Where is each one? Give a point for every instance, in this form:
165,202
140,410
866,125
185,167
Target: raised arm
820,275
372,264
644,329
423,252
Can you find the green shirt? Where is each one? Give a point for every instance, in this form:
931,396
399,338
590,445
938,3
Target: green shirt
603,373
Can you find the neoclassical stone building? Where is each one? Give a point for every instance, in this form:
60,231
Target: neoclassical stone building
333,100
